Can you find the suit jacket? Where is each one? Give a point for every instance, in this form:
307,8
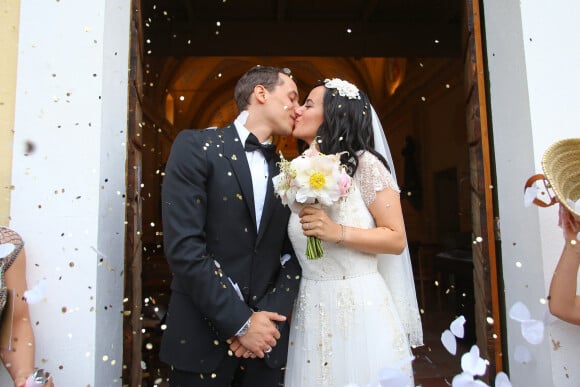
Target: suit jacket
210,237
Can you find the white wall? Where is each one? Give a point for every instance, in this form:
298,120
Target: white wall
533,60
68,198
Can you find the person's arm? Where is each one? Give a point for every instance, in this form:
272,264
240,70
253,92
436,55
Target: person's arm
288,280
184,212
382,199
20,360
388,237
564,303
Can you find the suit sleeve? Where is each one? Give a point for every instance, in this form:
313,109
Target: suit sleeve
184,212
280,298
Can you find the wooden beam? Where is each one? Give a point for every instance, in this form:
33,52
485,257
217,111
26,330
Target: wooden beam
189,9
281,11
306,39
369,9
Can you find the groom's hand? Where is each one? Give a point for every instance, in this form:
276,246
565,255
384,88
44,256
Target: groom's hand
237,347
262,335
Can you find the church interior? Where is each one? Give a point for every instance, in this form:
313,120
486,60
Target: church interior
408,56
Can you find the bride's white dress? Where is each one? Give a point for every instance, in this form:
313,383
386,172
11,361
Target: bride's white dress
345,327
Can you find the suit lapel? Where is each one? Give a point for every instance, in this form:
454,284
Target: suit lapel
234,152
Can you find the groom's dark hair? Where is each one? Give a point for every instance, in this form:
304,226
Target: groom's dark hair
266,76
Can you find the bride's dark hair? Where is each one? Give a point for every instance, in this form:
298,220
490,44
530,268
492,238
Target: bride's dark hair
347,126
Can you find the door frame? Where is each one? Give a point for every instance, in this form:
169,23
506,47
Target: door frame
489,319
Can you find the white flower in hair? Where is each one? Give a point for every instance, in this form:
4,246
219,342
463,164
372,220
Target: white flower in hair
345,88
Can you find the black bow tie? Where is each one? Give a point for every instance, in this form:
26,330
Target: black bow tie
252,144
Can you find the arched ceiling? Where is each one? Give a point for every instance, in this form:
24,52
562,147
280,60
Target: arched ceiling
196,50
202,87
382,28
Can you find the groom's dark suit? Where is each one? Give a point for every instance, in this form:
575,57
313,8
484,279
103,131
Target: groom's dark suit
210,237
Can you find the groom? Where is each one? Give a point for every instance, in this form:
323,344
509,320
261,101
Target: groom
235,274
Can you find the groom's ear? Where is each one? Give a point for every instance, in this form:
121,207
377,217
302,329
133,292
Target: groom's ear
260,93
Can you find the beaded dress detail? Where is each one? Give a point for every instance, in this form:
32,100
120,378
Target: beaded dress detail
345,327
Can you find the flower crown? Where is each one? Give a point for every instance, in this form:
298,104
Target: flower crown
344,88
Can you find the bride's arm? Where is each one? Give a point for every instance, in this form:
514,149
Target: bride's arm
381,195
388,237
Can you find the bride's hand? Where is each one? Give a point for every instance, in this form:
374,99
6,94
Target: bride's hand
315,222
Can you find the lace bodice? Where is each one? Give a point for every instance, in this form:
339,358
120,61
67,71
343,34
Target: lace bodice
338,261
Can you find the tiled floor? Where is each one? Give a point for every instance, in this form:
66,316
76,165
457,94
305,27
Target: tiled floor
434,366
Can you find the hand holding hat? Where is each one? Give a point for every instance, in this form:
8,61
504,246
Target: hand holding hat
561,165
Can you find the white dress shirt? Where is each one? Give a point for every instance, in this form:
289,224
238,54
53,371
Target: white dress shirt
258,168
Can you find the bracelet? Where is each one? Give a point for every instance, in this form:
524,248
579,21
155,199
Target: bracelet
341,235
38,378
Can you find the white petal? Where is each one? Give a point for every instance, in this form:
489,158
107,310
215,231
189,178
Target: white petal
390,377
472,363
533,331
466,380
5,249
457,327
522,354
575,205
502,380
529,195
520,312
37,293
449,341
462,380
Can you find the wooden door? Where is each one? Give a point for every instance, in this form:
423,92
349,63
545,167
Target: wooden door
487,316
132,323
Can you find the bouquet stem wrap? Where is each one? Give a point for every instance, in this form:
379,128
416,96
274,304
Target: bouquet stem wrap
314,249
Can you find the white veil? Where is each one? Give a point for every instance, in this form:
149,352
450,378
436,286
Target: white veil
396,269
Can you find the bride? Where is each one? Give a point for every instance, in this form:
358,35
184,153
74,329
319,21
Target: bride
356,314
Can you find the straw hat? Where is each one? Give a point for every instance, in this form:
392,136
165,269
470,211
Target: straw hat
561,164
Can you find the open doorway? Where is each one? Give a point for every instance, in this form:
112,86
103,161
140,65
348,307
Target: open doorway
415,75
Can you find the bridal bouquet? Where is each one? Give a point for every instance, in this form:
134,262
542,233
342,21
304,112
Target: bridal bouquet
311,178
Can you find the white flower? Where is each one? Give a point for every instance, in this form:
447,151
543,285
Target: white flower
317,178
344,88
312,178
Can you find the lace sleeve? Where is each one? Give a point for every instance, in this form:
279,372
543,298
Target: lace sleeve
372,176
6,260
9,236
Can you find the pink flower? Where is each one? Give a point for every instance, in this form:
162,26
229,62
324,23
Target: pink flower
344,182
